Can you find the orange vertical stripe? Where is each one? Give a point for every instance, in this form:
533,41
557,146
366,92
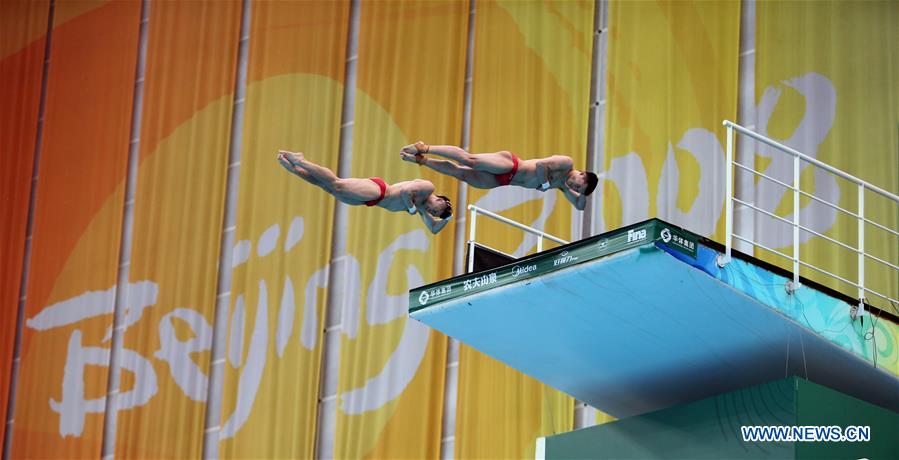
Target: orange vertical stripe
77,225
23,27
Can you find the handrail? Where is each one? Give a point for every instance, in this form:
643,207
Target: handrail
811,160
859,215
475,210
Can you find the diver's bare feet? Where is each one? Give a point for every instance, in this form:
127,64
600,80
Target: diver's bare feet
417,148
413,158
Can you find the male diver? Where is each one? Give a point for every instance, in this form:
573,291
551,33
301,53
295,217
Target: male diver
415,196
490,170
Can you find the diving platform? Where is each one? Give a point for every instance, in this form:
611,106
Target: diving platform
643,318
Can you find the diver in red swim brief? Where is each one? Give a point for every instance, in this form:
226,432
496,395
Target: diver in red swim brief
497,169
413,196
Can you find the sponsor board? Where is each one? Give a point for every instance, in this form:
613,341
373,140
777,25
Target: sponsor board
679,240
648,232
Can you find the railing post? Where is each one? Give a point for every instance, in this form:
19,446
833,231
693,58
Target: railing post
474,217
729,186
861,244
539,242
796,173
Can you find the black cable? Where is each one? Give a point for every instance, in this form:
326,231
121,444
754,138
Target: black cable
872,335
869,335
809,323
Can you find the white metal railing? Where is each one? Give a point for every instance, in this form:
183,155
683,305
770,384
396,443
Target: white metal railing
859,215
475,210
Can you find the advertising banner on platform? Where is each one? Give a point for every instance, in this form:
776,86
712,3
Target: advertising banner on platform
556,259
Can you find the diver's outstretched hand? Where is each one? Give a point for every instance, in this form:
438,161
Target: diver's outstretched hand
285,162
294,158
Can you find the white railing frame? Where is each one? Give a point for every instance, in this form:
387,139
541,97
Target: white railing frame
473,216
798,157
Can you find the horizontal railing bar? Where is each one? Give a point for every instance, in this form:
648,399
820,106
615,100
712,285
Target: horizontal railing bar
883,297
757,173
855,250
806,264
813,197
819,200
517,225
790,223
881,227
894,267
811,160
794,223
762,246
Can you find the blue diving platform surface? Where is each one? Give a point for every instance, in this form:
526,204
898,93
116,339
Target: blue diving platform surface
642,318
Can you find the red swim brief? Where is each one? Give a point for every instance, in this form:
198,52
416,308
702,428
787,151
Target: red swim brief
506,178
382,185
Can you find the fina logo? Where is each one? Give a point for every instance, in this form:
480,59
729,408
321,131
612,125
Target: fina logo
636,235
666,235
516,270
423,298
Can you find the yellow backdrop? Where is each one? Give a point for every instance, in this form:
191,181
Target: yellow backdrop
280,252
672,79
410,85
179,202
